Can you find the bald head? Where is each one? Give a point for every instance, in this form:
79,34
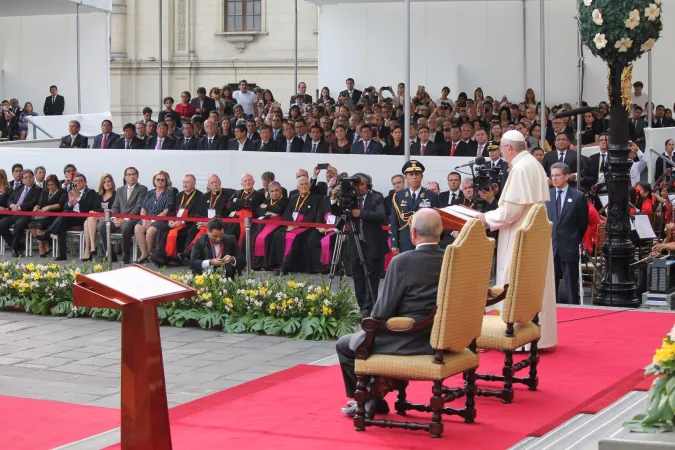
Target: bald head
426,227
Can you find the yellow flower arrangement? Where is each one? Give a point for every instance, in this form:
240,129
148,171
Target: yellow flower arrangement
292,284
200,280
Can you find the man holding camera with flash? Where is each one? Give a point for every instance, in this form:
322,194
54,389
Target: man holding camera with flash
369,217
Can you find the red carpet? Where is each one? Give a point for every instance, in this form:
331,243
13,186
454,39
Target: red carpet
599,359
41,424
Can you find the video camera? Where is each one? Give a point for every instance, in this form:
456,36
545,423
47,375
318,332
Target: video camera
483,174
347,194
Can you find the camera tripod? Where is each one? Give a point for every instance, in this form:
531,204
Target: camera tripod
342,235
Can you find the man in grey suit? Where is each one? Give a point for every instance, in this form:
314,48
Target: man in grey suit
128,200
410,289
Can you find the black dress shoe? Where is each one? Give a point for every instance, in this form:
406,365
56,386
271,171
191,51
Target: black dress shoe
60,258
44,255
382,407
16,254
44,236
142,260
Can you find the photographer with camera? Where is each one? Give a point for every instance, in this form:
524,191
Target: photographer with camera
368,217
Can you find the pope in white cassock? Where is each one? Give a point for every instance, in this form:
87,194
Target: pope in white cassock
526,185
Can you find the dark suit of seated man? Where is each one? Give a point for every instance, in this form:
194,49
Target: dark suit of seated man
74,139
217,250
410,290
129,141
367,146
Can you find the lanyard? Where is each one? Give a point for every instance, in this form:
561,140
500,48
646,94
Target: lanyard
213,202
272,202
213,248
184,204
298,208
245,197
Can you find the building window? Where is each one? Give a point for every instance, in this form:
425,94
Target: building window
243,15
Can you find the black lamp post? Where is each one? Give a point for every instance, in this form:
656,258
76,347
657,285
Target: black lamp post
618,285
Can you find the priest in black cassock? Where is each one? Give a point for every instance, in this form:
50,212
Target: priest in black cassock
242,203
271,210
321,241
289,242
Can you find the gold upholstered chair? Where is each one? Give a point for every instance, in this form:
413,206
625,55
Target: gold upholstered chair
463,281
518,324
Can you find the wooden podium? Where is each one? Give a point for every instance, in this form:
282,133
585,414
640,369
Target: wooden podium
454,217
137,292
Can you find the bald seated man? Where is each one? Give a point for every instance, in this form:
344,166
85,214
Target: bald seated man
410,289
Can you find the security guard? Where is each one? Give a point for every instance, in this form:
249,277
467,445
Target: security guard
406,203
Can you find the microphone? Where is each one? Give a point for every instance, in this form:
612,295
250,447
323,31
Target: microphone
575,112
478,161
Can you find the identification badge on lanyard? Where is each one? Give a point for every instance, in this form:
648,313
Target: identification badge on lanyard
181,211
295,216
211,213
330,220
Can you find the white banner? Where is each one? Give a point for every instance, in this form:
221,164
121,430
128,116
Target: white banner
228,165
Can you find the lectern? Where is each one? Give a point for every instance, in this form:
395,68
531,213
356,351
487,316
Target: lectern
454,217
137,292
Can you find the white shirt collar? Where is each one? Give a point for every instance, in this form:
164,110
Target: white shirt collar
423,244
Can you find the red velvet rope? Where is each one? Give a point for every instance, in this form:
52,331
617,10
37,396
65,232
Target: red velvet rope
240,221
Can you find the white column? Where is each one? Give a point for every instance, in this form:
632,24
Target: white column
118,30
406,71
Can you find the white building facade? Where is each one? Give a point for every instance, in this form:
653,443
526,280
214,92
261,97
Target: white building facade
208,43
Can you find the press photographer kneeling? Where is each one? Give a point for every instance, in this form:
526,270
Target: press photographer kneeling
367,210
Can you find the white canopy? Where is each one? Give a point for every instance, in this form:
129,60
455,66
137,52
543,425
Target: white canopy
10,8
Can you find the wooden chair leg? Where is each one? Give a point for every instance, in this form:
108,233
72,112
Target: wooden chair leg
437,404
360,397
401,399
507,372
470,389
534,360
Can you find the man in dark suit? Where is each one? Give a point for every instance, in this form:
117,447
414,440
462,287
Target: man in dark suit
454,195
410,290
80,200
252,130
315,144
398,183
128,200
599,162
353,94
189,141
466,146
266,143
107,138
637,125
290,143
22,198
368,218
277,128
568,211
562,153
74,139
203,104
55,103
240,141
424,147
302,92
129,141
161,141
366,146
212,140
406,203
217,250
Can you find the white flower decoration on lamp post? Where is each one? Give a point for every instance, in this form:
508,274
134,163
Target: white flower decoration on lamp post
647,45
600,41
652,12
624,44
597,17
589,2
633,19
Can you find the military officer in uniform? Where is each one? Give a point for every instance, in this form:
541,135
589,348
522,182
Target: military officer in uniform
406,202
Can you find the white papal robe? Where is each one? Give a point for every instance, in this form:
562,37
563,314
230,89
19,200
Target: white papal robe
526,186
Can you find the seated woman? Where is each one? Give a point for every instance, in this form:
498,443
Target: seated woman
243,203
645,200
106,196
5,189
52,199
321,241
158,202
272,210
289,242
